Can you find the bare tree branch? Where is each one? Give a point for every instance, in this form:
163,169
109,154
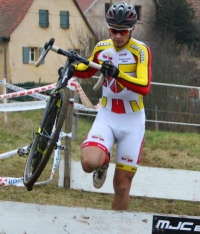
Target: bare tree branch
157,2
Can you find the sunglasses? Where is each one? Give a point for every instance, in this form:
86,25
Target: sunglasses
120,31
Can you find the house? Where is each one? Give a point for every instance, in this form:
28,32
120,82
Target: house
25,25
95,10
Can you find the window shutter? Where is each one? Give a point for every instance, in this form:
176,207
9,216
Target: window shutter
25,51
44,18
40,51
64,19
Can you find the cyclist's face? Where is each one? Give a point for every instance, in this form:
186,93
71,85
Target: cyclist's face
120,37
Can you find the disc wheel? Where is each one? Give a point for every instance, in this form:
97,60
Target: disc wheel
45,142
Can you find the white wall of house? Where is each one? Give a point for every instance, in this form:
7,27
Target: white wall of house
30,34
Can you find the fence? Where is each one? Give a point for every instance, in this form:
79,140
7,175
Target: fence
173,107
168,106
156,174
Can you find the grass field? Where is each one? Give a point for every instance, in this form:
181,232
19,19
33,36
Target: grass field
161,149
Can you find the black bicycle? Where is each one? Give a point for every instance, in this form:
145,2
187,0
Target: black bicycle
47,135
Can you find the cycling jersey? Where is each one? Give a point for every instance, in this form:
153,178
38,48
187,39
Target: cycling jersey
122,94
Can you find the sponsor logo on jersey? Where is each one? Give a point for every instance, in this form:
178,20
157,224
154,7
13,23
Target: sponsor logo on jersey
124,54
142,56
135,47
108,56
104,44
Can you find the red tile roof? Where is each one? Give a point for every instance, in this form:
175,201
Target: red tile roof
80,4
85,4
12,13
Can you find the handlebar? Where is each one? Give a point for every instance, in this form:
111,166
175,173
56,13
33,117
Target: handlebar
49,46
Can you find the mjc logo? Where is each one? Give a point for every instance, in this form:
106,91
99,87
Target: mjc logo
175,225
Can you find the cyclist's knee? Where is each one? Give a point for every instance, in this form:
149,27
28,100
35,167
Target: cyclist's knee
122,182
86,164
121,188
92,158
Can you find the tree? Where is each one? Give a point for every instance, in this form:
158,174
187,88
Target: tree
176,18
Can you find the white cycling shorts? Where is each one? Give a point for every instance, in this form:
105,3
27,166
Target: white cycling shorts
126,130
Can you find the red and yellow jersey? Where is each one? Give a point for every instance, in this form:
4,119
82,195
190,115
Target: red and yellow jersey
122,94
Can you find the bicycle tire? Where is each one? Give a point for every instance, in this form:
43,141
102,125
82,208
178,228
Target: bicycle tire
42,147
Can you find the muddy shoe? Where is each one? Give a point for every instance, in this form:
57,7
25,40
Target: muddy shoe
99,176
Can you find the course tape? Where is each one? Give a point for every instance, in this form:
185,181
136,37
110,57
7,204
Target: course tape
73,83
22,106
34,105
28,92
7,181
35,95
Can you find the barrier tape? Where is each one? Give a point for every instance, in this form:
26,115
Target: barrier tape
35,95
7,181
27,92
81,107
35,105
73,83
22,106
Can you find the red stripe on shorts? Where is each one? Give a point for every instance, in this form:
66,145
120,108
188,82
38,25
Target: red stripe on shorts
96,144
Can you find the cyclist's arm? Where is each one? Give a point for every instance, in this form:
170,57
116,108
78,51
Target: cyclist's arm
141,83
84,71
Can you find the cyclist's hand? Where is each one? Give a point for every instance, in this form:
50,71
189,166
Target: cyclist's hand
109,69
73,55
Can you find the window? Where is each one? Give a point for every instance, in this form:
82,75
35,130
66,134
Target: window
44,18
64,19
107,6
138,11
31,54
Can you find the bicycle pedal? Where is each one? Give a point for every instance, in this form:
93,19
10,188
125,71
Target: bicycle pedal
22,152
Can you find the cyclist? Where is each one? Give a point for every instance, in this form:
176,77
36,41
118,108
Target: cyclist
127,67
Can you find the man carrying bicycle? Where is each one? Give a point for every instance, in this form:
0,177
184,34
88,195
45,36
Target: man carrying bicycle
127,67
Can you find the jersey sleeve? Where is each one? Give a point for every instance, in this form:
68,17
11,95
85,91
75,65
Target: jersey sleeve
84,71
141,83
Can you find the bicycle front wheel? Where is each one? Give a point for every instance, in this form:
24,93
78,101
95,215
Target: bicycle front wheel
46,137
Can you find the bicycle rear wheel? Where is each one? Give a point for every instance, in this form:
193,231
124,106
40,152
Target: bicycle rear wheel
46,137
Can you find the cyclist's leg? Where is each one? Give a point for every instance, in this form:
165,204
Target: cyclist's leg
122,183
128,154
96,146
